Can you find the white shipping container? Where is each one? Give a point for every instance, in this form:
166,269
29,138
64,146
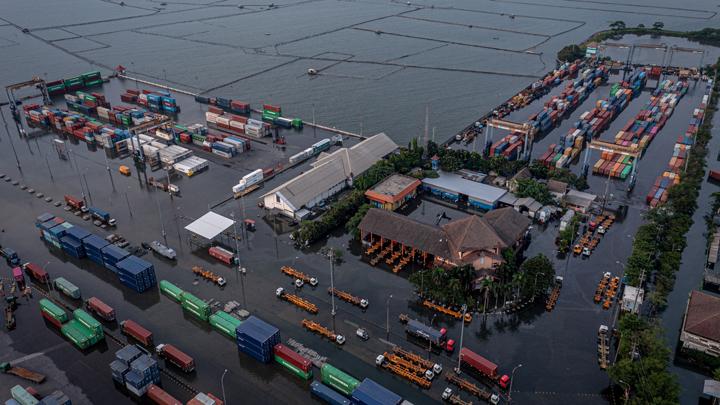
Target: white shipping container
191,165
211,117
237,125
222,121
145,138
252,178
159,144
163,135
221,153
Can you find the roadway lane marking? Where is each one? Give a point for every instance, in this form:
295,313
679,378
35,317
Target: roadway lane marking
38,354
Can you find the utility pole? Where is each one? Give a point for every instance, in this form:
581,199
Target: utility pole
314,125
462,331
237,248
12,144
162,224
88,188
49,171
387,316
332,284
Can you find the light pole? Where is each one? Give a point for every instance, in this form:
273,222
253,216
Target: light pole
626,390
237,247
222,385
462,331
512,379
387,316
50,283
332,284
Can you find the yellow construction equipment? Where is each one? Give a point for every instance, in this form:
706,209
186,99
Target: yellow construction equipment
447,311
297,301
323,331
347,297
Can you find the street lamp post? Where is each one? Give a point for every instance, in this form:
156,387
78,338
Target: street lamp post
222,385
512,379
387,316
332,285
462,331
626,390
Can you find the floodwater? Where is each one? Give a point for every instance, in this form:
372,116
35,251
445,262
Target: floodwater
381,64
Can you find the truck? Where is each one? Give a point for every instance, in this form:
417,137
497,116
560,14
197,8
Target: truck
133,329
223,255
18,275
75,203
11,256
483,366
437,339
102,216
7,368
176,357
36,272
67,288
101,309
163,250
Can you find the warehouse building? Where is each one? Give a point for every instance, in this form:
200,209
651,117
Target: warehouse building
473,240
330,174
463,190
701,325
393,192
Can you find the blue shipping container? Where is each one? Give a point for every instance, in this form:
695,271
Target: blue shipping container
368,392
327,394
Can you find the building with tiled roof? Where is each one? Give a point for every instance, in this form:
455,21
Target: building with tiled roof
701,325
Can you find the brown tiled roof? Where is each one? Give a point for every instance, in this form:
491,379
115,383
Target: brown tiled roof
555,186
499,228
703,316
472,233
509,224
388,224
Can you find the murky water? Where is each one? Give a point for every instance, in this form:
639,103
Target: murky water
381,64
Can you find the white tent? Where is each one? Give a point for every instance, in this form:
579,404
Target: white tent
210,225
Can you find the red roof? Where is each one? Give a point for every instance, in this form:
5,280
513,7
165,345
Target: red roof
703,316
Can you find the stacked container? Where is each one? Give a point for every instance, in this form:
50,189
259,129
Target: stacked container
257,339
72,241
371,393
78,334
194,305
112,255
136,273
338,380
293,361
328,395
90,323
171,290
143,371
52,313
225,323
94,245
159,396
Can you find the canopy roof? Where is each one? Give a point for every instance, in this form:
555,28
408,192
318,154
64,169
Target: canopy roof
210,225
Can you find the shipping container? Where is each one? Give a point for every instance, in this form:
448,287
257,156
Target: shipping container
225,323
133,329
483,366
159,396
22,397
327,394
77,333
89,322
53,311
171,290
337,379
223,255
100,308
67,288
369,392
195,305
257,338
176,357
292,357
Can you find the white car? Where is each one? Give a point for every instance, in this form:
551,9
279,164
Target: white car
362,334
601,230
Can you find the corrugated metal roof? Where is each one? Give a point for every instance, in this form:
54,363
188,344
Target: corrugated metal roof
457,184
334,168
703,316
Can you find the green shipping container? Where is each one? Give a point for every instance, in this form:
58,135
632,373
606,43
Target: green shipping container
297,123
67,287
340,381
89,322
293,369
222,326
198,314
94,83
171,290
625,172
229,318
23,397
78,334
95,74
53,310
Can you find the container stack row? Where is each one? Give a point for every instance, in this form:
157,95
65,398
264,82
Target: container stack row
508,147
160,101
236,124
659,192
135,369
83,330
59,87
642,129
257,339
29,396
77,242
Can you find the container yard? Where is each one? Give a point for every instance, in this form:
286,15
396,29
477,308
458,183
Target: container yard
221,151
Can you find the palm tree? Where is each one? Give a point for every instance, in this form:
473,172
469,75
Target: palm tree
517,280
487,283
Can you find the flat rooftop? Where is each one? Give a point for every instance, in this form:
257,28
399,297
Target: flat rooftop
395,184
457,184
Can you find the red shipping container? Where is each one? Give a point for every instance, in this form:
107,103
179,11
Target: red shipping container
50,319
132,328
292,357
272,108
102,309
216,110
185,138
133,91
160,397
128,98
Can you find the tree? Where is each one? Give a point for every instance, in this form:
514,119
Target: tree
617,25
641,25
570,53
658,25
532,188
351,226
539,275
